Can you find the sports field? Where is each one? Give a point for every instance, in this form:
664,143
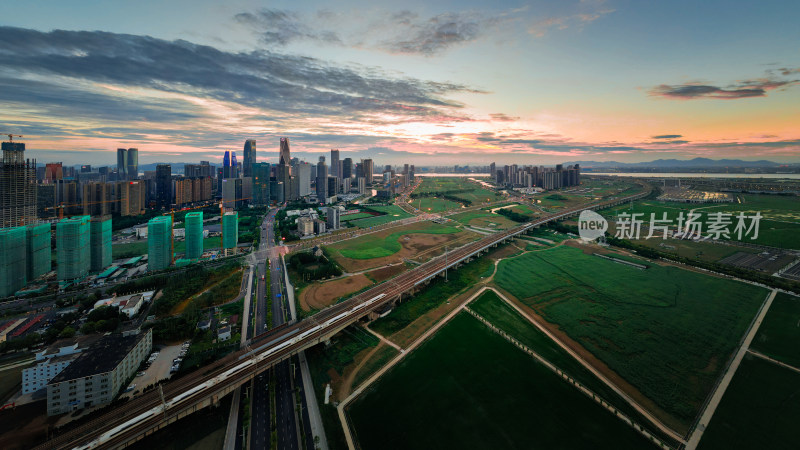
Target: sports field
760,409
392,213
665,330
779,334
779,226
349,217
468,388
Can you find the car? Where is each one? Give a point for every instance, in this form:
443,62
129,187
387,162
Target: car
140,374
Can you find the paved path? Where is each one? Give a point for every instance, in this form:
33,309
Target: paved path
716,397
763,356
382,338
643,411
311,401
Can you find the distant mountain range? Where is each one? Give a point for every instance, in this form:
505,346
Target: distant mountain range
696,163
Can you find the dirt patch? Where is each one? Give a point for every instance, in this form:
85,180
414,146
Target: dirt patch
600,366
24,426
320,295
345,382
385,273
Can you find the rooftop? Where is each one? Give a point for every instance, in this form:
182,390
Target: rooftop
101,357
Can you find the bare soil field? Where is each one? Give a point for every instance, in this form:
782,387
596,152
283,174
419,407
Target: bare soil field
384,273
320,295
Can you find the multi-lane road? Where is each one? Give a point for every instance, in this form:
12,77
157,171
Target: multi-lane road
131,420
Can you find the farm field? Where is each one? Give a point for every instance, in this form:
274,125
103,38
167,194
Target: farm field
779,334
392,213
495,310
760,409
465,375
779,226
419,241
703,251
665,330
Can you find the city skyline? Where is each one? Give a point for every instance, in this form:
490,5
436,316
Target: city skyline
533,82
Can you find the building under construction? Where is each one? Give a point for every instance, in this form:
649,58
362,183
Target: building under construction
100,242
37,250
194,235
12,260
17,186
230,231
73,238
159,243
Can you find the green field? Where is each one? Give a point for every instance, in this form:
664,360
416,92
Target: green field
483,219
392,213
129,250
457,187
779,227
495,310
779,334
467,388
370,246
434,204
760,409
666,330
349,217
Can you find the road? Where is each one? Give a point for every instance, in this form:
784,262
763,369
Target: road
131,419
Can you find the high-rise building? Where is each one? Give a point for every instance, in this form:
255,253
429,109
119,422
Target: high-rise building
335,163
367,167
132,197
122,164
235,169
12,260
283,175
226,165
133,163
492,169
159,243
73,239
232,193
333,186
303,179
17,186
37,250
194,234
100,242
362,185
322,180
53,172
285,156
347,168
230,230
164,185
249,157
261,187
332,219
96,198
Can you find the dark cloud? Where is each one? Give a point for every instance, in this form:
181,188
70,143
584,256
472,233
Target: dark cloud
434,35
668,136
266,80
500,117
282,27
744,89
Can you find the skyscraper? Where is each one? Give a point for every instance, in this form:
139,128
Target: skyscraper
335,163
159,243
261,191
164,185
17,186
100,242
235,169
226,165
72,248
322,180
122,164
37,250
249,157
12,260
347,168
303,179
285,156
367,167
194,234
132,170
230,230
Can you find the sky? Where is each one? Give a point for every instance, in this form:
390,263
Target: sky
419,82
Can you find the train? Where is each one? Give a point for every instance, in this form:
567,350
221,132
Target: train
248,360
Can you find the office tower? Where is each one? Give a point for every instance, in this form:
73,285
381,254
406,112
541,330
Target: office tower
17,186
230,230
100,243
96,198
122,164
86,168
220,177
249,157
159,243
362,185
226,165
231,193
72,248
53,172
12,260
285,156
247,190
235,168
132,197
322,180
333,186
347,168
303,179
283,175
194,234
133,164
405,169
37,250
367,167
332,221
279,191
261,187
335,163
164,185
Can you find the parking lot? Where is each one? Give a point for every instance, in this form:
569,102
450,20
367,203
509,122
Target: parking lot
158,370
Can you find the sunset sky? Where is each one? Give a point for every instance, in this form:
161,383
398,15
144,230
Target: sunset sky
449,82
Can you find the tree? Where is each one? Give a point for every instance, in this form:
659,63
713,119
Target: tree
67,332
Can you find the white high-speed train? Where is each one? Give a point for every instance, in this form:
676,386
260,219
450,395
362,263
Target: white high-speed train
223,376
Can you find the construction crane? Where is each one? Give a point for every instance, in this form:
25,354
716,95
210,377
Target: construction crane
11,136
